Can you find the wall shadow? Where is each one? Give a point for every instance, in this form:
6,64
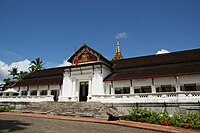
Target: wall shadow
12,125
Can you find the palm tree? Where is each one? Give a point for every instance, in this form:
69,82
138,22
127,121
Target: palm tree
13,72
37,64
21,75
7,81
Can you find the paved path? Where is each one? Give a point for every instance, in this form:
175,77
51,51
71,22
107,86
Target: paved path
36,123
20,124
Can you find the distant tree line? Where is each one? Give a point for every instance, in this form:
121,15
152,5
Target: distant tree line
36,65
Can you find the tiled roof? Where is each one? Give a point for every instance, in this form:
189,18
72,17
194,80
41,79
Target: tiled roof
50,76
52,80
154,72
171,64
162,59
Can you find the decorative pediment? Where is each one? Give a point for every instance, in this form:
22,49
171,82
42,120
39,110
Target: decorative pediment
86,54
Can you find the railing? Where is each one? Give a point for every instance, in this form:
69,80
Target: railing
25,98
173,97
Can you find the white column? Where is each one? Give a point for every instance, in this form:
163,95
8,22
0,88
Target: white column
112,91
29,92
89,97
153,89
20,92
178,87
48,91
73,92
38,91
132,90
90,88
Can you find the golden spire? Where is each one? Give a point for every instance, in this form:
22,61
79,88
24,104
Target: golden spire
118,55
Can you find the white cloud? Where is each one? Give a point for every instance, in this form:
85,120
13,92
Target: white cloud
162,51
10,54
122,35
21,65
65,63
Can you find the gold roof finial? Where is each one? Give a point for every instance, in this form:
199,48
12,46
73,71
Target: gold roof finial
118,55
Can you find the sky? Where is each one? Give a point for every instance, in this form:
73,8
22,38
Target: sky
51,29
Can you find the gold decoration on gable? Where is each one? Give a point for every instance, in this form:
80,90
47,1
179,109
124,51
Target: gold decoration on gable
86,57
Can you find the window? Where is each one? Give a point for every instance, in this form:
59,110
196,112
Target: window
24,93
122,90
1,94
15,94
166,88
43,92
136,90
33,93
189,87
146,89
143,89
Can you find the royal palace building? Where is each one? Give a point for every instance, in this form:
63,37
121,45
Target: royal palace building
171,77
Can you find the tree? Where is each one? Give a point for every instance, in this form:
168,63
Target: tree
21,75
7,81
13,72
37,64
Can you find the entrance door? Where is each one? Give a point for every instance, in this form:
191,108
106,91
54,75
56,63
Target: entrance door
83,93
55,94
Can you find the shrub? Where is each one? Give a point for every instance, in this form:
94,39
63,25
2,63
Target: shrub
191,120
6,108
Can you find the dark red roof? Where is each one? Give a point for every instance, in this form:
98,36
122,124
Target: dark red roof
161,59
165,65
54,80
155,72
50,76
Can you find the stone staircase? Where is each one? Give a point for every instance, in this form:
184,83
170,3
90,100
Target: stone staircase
81,109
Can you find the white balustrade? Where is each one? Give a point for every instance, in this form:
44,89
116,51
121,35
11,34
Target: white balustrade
26,98
171,97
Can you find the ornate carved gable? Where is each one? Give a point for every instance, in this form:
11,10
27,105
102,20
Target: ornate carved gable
86,54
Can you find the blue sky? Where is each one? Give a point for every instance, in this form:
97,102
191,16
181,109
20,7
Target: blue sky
50,29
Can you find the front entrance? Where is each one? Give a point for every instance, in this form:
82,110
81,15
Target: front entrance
83,93
55,94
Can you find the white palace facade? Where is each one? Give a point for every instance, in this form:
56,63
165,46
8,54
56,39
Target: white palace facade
172,77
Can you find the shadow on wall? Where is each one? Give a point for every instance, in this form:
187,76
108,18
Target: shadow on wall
12,125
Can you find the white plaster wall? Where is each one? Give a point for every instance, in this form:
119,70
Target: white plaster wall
189,79
32,87
67,87
107,87
106,71
54,87
165,81
142,82
43,87
23,88
97,84
124,83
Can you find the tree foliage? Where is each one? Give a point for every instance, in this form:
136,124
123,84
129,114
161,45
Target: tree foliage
36,65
